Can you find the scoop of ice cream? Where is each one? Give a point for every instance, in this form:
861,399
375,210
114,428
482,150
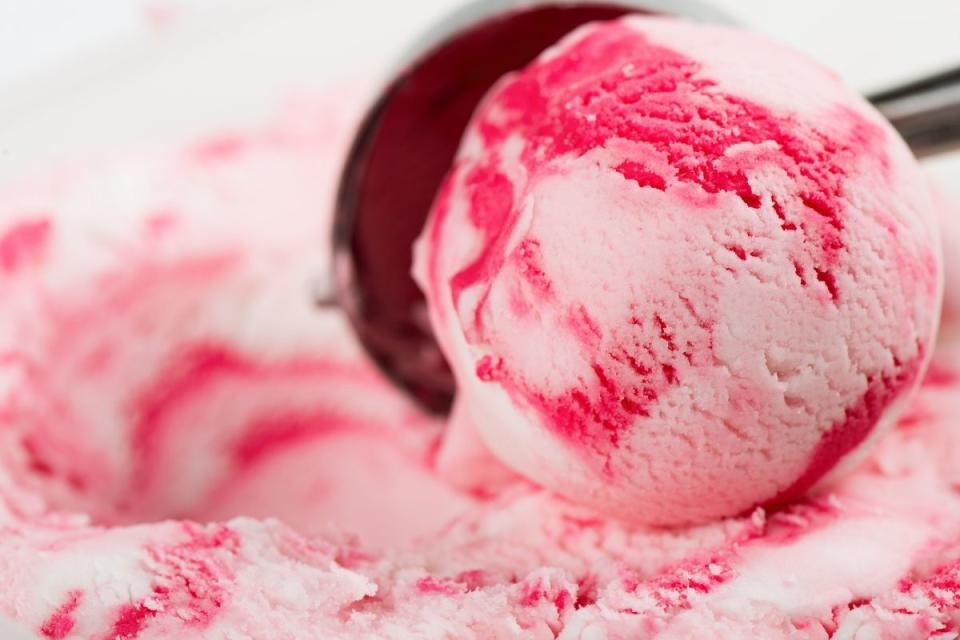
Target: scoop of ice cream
261,406
680,271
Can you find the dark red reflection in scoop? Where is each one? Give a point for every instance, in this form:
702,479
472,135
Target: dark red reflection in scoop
403,151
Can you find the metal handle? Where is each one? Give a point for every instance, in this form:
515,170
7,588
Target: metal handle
471,14
926,112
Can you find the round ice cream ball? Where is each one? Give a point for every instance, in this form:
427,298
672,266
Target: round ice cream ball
680,271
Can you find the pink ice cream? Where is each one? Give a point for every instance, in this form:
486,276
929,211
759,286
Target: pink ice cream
284,492
145,371
680,271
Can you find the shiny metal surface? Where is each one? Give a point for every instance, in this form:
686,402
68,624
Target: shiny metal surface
926,112
404,148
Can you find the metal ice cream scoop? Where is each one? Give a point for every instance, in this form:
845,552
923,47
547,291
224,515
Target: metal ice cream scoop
408,140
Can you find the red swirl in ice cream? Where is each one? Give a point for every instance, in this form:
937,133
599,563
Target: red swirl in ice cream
160,357
680,271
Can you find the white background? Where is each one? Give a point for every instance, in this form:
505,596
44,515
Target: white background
82,76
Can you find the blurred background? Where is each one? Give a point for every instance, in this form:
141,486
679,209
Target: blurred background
100,75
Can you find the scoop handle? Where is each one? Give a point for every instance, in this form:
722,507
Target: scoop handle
926,111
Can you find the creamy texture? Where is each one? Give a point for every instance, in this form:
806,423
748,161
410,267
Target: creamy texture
876,556
161,355
680,271
280,490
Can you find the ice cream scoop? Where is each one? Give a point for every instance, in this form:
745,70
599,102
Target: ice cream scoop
405,146
409,137
680,271
147,381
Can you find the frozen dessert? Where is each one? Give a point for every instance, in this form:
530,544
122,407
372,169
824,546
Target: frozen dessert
287,493
680,271
877,558
145,371
191,449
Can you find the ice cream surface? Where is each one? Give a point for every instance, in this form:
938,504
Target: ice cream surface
190,449
283,492
146,370
680,271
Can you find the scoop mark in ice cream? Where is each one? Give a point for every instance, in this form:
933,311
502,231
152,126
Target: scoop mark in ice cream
195,369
